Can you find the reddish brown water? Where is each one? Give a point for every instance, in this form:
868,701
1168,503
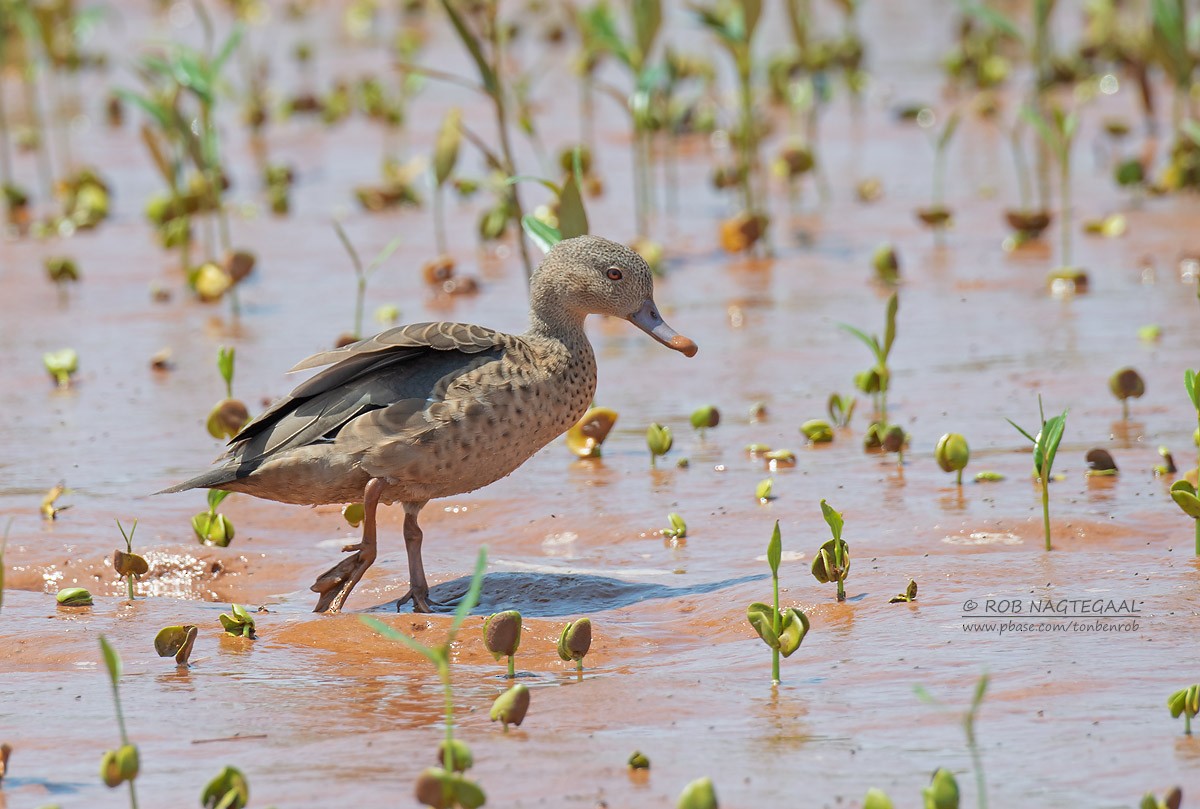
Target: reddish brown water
320,709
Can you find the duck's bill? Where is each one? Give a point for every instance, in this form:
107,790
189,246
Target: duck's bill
650,321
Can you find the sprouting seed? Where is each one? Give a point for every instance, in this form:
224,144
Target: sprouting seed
511,706
228,790
74,597
832,562
177,642
658,440
1126,384
952,455
639,761
61,365
908,596
502,636
705,417
240,623
818,431
699,794
575,642
678,529
763,490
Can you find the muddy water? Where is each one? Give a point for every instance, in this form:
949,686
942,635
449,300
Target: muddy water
319,709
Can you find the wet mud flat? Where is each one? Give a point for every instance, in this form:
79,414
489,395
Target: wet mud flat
321,709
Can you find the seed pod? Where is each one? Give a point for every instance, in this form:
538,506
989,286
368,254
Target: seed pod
177,641
228,790
213,529
942,792
700,794
894,439
74,597
825,567
1127,384
909,594
128,762
639,761
110,769
239,624
658,440
817,431
952,453
1100,463
1184,495
886,263
130,564
227,418
586,436
511,706
575,641
502,633
460,753
705,417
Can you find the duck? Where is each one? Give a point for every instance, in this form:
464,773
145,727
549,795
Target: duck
432,410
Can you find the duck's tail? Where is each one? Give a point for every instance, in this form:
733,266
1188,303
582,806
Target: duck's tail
212,479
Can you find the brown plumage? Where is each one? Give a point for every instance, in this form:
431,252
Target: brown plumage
437,409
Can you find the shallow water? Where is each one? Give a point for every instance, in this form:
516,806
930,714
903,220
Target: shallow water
320,709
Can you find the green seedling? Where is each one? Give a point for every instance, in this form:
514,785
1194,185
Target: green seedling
699,794
502,637
779,459
952,454
363,274
875,380
177,642
988,476
121,765
734,25
228,416
1172,800
61,365
460,754
1186,703
587,435
62,271
705,418
228,790
764,490
1183,492
908,596
73,597
678,529
832,562
877,799
1167,467
49,508
1126,384
937,216
1045,448
127,563
1100,464
1171,36
239,623
3,547
639,761
568,220
1058,135
445,157
782,630
210,527
818,431
841,409
444,787
942,792
659,441
511,706
886,262
947,791
575,642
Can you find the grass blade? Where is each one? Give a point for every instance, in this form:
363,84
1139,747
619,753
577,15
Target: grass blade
393,634
472,597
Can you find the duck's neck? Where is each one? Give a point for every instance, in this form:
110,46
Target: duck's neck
557,323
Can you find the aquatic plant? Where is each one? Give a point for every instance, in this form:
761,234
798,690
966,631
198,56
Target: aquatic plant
841,409
678,529
942,792
177,642
1058,135
1183,492
569,218
228,790
127,563
937,216
363,274
121,765
210,527
61,365
952,455
575,641
782,630
832,561
444,786
705,418
228,416
658,441
1186,703
511,706
1126,384
502,636
73,597
587,435
908,596
1172,800
699,794
1045,448
944,789
239,623
876,380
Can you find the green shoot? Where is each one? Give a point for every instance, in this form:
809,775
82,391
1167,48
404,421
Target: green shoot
1186,703
439,657
659,441
832,562
127,563
969,718
363,273
1058,135
782,630
875,381
1045,448
121,765
952,455
228,790
575,641
210,527
502,637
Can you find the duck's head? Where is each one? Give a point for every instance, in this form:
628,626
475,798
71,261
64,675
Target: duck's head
588,275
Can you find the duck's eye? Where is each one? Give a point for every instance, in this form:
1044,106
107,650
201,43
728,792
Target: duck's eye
614,274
